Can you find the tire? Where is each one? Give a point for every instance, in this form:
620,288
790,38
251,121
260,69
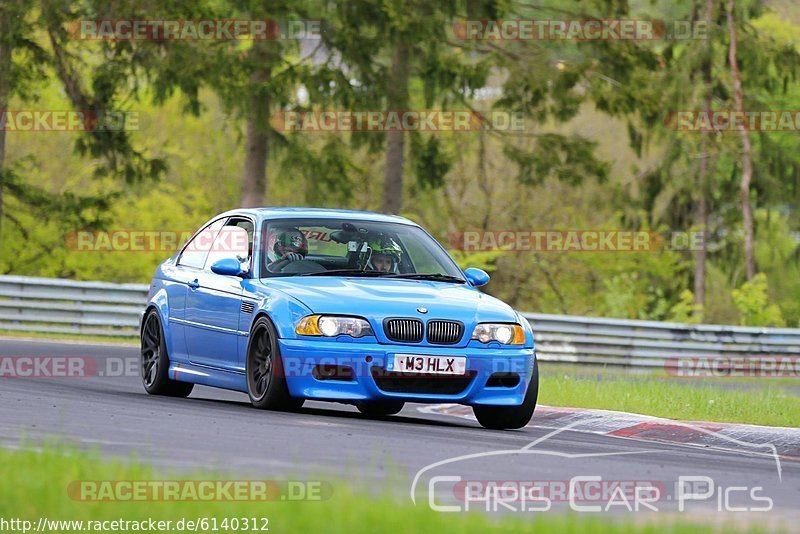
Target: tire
380,408
266,381
154,363
511,417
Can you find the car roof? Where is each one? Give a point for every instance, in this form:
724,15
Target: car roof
318,213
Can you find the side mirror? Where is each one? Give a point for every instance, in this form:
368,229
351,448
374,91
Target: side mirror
477,277
227,267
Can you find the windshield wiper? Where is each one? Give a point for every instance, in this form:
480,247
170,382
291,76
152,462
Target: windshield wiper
344,272
436,277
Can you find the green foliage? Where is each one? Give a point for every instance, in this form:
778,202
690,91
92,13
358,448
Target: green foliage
196,186
752,302
685,310
596,152
778,257
431,162
630,295
570,159
485,260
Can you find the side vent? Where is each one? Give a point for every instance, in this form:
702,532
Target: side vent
247,307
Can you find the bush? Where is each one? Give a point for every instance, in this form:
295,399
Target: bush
752,301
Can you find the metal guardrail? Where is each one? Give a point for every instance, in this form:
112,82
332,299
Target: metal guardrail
592,340
104,309
54,305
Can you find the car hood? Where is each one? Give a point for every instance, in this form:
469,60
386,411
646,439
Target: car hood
381,298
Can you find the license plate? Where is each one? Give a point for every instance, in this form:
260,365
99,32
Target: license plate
437,365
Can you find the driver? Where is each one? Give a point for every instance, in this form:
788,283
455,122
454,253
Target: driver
384,257
290,245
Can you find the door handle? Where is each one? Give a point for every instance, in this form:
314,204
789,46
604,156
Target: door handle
194,284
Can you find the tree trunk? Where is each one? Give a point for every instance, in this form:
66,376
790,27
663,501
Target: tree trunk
254,179
701,212
700,255
5,93
484,182
397,100
747,149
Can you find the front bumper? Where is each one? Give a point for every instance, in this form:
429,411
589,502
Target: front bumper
371,381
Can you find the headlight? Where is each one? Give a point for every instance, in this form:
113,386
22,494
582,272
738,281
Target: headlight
332,326
507,334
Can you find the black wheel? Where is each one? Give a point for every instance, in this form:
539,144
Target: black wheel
266,381
380,408
155,361
508,417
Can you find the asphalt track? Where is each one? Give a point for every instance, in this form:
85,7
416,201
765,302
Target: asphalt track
218,430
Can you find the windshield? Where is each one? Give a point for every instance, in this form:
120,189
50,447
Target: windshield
331,247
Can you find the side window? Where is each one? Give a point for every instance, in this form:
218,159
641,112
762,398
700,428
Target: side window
234,240
196,251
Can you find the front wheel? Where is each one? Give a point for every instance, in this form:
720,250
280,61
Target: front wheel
266,380
510,417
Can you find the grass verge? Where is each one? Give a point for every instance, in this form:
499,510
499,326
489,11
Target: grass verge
721,400
35,484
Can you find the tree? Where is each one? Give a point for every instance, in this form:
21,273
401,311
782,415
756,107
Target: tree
23,61
679,187
15,37
701,211
255,79
254,178
35,41
396,99
6,43
747,147
386,47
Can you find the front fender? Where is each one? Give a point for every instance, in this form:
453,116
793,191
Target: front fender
158,301
526,326
284,310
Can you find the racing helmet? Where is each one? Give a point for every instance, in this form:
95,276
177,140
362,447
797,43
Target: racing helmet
288,241
384,248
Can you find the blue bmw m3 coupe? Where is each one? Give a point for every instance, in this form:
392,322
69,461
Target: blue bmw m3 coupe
288,304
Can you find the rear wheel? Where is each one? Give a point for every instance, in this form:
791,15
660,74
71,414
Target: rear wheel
155,361
266,380
380,408
509,417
